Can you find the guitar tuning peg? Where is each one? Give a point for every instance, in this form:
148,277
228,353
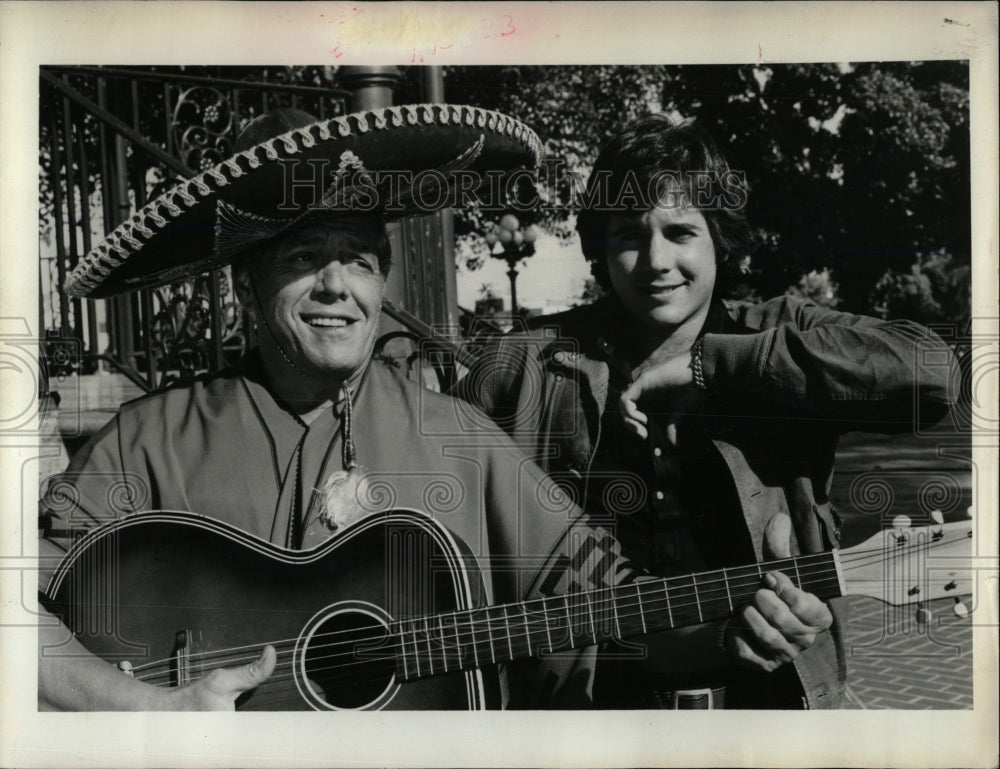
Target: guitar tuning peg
960,609
126,667
969,512
923,615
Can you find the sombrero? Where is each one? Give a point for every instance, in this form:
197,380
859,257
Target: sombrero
288,166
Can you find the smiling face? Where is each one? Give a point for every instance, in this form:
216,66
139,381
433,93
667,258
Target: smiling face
662,267
319,291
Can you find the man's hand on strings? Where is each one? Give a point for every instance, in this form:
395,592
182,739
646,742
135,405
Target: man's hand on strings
781,621
220,689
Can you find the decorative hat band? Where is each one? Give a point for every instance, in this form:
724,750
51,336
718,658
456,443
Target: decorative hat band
353,188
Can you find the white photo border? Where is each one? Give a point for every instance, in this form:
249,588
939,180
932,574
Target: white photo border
34,34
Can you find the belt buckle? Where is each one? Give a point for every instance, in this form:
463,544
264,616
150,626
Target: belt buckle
678,693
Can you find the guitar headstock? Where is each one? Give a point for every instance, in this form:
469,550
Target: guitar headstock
904,565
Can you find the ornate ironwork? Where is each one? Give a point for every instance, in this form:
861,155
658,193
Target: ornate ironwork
181,327
202,123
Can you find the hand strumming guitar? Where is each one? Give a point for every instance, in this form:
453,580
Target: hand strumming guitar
220,689
78,680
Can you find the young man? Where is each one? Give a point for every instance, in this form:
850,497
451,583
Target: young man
707,434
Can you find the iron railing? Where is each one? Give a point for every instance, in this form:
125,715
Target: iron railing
110,138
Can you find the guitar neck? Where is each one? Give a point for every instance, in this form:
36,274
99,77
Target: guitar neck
461,640
898,566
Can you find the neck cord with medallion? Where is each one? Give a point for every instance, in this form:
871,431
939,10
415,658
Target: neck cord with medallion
341,494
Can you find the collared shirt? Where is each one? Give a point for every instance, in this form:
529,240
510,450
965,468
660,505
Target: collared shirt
640,481
304,454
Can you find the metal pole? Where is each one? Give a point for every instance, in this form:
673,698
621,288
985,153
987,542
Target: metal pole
448,302
434,85
86,218
371,87
58,226
145,299
512,274
119,185
74,254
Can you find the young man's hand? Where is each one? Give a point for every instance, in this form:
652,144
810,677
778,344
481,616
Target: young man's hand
670,382
781,621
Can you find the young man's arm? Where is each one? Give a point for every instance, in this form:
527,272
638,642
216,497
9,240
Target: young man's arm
852,371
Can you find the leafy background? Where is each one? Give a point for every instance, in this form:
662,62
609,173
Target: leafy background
859,173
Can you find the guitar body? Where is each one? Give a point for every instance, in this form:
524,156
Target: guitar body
177,594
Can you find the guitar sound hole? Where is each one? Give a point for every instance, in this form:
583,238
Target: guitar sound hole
348,660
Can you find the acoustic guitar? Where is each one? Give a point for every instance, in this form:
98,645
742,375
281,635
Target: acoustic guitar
389,613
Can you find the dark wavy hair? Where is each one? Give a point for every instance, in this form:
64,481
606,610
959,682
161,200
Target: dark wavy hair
647,151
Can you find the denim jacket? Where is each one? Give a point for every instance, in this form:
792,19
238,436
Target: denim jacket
786,378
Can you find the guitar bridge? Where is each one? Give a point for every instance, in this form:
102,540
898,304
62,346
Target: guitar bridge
182,669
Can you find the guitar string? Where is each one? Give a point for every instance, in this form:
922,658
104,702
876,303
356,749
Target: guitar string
416,633
347,677
271,697
704,589
351,679
752,572
456,661
419,638
537,638
489,627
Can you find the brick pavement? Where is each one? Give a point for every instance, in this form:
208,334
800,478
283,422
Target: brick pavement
896,662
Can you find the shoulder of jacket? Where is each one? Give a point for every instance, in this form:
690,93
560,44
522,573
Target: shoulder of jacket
400,398
219,384
574,322
574,330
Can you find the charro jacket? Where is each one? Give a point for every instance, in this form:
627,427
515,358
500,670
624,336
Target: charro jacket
785,377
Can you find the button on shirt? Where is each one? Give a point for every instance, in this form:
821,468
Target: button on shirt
639,481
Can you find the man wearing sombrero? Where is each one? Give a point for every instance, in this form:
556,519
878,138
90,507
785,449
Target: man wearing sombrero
306,434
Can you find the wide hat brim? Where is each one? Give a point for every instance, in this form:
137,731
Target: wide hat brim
174,236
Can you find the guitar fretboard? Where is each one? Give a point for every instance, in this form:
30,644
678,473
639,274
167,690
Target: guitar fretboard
446,643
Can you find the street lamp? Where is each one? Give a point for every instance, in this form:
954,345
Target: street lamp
512,244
